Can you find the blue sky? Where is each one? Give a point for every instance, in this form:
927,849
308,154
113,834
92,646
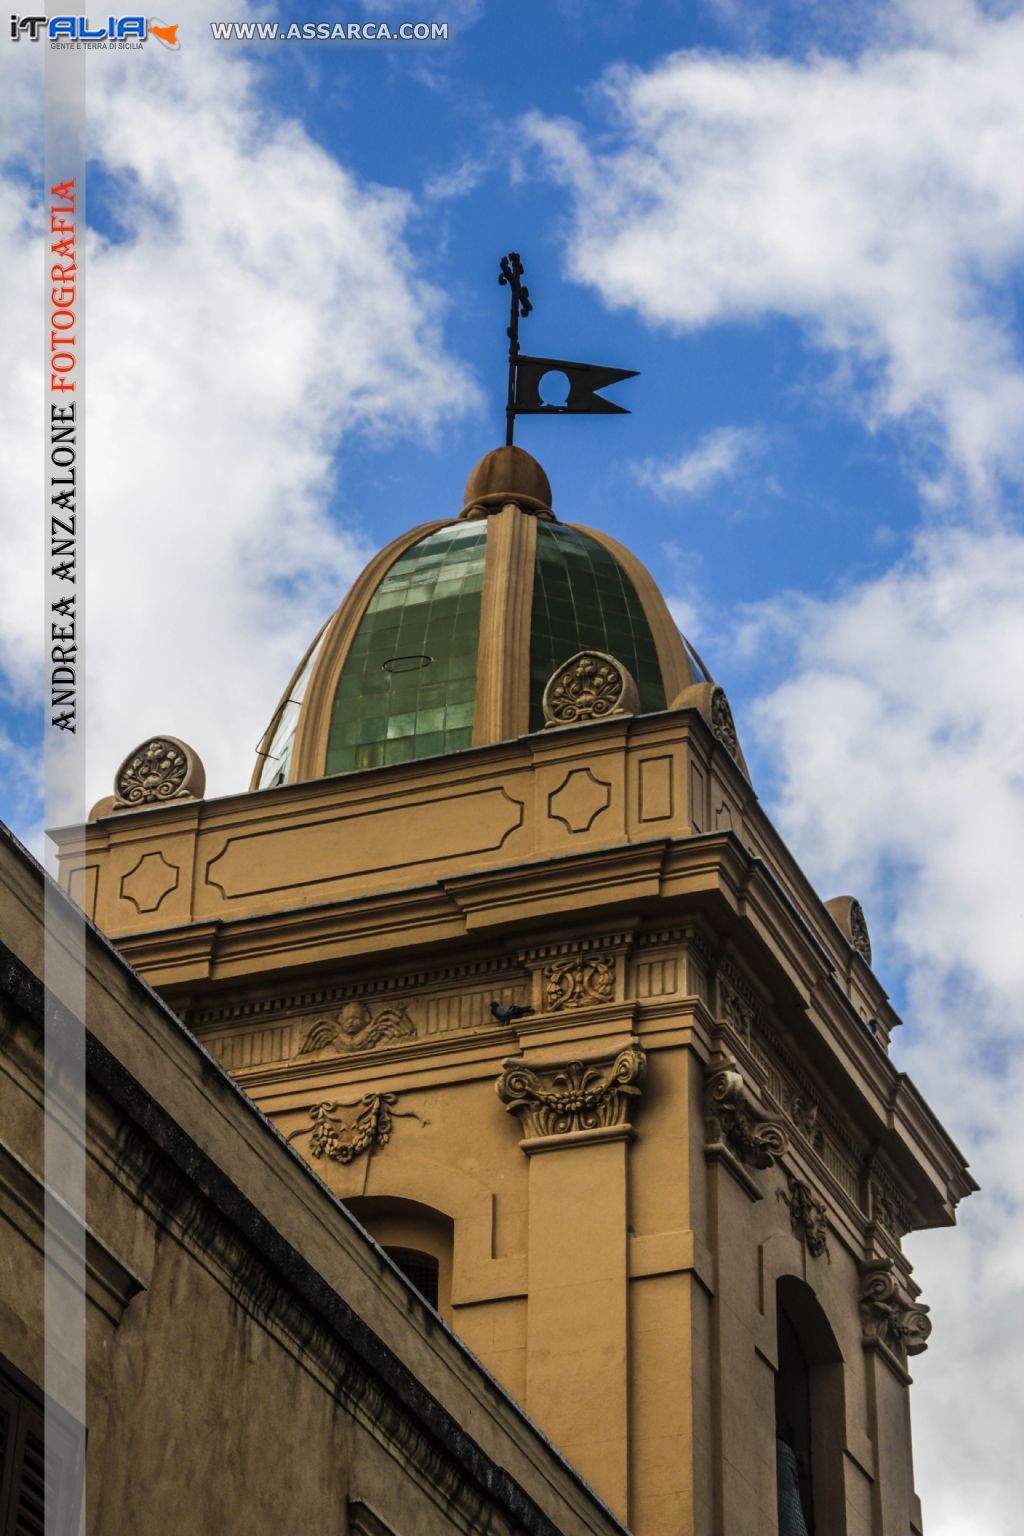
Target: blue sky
805,230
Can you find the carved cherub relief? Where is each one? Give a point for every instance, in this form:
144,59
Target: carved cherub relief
355,1028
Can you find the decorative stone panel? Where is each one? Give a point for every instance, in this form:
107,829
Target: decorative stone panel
583,979
149,881
577,973
579,800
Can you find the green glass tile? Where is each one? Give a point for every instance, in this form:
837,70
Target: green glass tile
400,751
427,604
457,715
456,741
341,760
463,664
345,732
401,725
430,694
430,744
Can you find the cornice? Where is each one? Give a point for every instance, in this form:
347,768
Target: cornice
712,874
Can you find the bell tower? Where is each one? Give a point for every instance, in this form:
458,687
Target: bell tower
502,942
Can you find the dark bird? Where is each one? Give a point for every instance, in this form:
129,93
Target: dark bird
506,1012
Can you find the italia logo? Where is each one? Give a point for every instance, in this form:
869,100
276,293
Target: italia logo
77,29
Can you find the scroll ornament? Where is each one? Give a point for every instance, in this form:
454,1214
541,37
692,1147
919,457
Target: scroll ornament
334,1135
581,1096
589,686
808,1215
576,982
160,769
736,1123
887,1316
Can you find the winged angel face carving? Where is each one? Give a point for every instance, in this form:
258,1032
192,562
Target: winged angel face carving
355,1028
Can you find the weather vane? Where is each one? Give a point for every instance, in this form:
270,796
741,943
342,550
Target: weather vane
525,373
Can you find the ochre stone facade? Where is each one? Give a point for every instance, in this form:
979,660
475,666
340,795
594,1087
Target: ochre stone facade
254,1363
560,1011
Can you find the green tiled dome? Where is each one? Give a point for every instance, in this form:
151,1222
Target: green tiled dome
451,633
409,683
583,600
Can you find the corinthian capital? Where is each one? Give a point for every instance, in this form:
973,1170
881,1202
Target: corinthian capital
579,1096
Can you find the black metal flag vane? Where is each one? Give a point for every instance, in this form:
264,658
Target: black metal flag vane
525,373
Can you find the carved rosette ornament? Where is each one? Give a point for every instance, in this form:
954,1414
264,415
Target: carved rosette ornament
583,979
808,1215
160,769
355,1028
849,914
580,1096
735,1124
336,1136
589,686
859,936
722,723
888,1316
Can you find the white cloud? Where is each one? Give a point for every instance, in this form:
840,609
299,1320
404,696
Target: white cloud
258,307
898,739
877,201
720,455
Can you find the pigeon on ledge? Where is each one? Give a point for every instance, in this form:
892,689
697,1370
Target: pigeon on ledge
506,1012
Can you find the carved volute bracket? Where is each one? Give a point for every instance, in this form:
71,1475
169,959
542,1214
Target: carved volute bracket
578,1101
736,1127
808,1216
160,769
891,1320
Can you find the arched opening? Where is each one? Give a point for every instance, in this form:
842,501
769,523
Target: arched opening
809,1416
417,1238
